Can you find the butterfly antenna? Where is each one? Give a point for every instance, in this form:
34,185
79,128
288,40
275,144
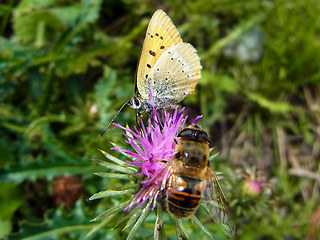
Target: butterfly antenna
100,135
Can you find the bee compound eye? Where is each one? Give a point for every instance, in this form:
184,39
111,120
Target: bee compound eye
197,134
200,135
185,133
205,136
177,155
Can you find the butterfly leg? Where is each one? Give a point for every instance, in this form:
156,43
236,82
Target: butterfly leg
138,120
162,118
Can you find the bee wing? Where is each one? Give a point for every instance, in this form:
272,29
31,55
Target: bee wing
216,204
161,35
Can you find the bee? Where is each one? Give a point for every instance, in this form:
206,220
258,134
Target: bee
193,181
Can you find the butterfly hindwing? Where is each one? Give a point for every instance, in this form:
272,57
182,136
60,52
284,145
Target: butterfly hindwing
175,74
161,35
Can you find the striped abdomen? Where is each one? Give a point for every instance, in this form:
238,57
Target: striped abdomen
183,196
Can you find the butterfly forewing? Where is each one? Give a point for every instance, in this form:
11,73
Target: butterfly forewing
217,206
161,35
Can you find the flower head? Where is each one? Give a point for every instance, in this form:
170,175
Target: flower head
255,182
153,147
252,187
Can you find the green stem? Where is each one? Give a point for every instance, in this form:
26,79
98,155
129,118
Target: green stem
43,104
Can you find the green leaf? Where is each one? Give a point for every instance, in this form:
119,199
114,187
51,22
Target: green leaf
19,173
116,175
130,214
11,200
200,225
56,224
221,82
115,167
5,228
117,146
213,157
100,226
111,211
236,33
6,156
112,158
272,106
134,214
29,14
180,229
112,193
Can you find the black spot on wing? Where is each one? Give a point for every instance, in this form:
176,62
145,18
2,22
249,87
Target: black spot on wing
152,53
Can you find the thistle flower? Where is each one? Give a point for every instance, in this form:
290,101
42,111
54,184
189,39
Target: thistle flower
255,182
252,187
153,146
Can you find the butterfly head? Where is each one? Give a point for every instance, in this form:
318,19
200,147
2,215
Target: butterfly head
135,103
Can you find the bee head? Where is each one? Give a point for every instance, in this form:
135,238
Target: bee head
194,133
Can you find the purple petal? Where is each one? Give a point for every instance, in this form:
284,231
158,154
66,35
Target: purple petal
196,120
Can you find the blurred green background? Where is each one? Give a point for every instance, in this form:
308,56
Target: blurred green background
67,66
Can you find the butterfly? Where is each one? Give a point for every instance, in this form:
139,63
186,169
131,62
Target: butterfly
168,68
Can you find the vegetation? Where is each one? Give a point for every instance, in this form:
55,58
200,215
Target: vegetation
67,66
